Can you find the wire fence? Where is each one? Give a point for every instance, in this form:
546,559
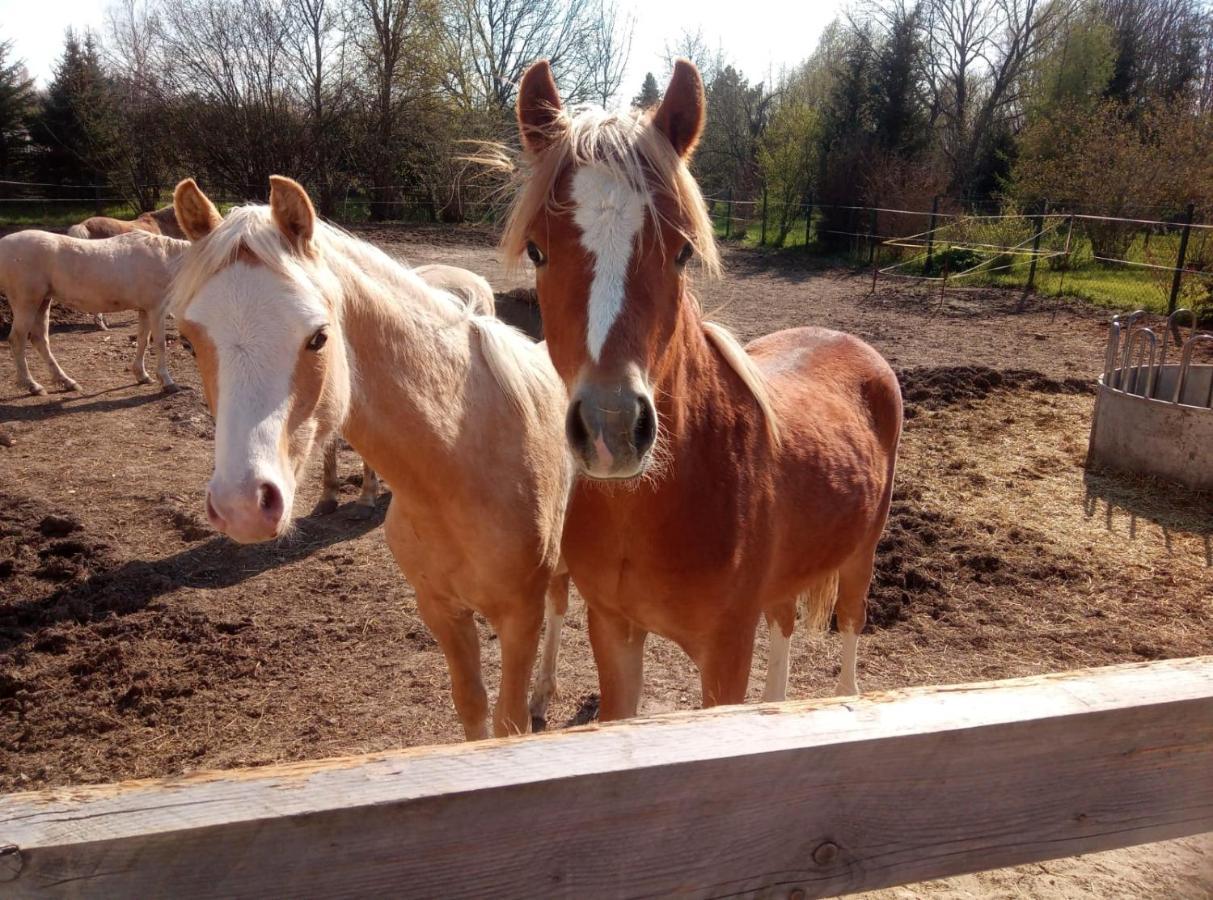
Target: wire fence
1151,258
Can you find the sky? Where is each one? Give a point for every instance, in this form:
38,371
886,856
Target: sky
759,39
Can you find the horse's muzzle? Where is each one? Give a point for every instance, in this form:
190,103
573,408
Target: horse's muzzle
612,430
249,513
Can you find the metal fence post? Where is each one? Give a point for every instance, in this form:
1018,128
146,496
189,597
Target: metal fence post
762,241
931,232
1179,261
728,216
808,220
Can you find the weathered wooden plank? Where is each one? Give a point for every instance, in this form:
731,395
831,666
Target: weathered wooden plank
824,797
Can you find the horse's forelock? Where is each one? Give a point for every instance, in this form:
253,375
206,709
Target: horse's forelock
634,150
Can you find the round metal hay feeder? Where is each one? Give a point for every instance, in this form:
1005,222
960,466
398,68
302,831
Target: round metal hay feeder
1154,417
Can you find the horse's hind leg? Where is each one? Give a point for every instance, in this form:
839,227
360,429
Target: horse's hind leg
370,490
331,486
41,335
99,321
166,379
780,627
851,612
546,688
139,366
24,319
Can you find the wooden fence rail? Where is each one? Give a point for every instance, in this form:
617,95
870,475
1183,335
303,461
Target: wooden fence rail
791,800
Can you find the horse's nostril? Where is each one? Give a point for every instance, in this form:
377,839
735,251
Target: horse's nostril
575,428
644,432
269,498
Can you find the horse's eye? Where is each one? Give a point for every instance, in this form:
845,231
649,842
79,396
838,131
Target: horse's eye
535,253
316,341
685,254
189,348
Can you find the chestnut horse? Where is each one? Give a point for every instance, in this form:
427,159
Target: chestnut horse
300,332
720,483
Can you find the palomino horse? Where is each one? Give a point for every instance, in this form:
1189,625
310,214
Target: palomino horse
720,483
131,271
162,221
300,332
475,293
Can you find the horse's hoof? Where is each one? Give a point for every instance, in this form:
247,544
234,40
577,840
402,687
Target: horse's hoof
35,389
171,388
70,385
142,379
538,724
325,508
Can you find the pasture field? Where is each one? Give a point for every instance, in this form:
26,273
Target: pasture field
135,642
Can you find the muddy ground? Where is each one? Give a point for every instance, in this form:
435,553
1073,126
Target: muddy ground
135,642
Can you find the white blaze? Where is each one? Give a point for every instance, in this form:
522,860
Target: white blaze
610,213
258,329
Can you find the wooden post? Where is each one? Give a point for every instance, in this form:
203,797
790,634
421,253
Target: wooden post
1177,281
931,233
872,235
762,241
728,220
1038,223
808,220
806,799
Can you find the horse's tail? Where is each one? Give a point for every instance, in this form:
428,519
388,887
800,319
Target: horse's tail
818,601
79,230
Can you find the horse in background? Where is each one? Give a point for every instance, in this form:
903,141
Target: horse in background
162,221
302,332
130,271
720,483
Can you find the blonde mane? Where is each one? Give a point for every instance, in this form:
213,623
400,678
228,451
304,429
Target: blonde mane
633,148
251,230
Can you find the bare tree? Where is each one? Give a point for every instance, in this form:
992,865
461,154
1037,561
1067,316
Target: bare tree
608,48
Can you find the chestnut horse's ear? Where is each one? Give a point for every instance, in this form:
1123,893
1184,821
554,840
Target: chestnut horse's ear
292,210
538,107
195,213
680,116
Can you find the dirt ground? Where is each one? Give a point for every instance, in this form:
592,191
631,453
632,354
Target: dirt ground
135,642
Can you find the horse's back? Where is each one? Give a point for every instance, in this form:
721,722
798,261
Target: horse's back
809,366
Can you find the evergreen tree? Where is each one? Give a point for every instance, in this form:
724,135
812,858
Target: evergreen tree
650,94
16,103
68,131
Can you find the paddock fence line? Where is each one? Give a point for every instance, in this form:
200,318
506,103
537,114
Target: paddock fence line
798,799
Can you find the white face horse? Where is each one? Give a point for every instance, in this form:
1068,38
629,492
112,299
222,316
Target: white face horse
269,349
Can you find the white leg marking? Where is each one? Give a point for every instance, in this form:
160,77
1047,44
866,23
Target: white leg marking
545,684
778,662
848,684
610,213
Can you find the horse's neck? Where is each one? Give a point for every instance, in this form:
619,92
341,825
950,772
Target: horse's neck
408,355
691,386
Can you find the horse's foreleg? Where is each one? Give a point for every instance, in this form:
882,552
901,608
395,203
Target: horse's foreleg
619,655
41,335
99,321
166,380
139,366
724,664
331,487
455,631
557,606
24,319
518,634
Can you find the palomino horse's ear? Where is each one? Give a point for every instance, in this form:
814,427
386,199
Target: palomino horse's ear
538,107
680,116
195,213
292,210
